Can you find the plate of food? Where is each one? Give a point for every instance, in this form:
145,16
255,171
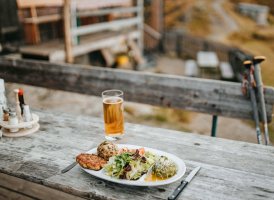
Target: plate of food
132,165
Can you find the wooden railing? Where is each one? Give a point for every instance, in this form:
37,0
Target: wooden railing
73,9
200,95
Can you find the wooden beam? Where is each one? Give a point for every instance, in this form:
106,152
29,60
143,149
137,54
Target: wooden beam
17,188
137,53
103,43
34,28
67,28
88,13
200,95
108,56
157,18
152,32
43,19
41,3
115,25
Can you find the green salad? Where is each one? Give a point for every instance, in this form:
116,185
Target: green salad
130,165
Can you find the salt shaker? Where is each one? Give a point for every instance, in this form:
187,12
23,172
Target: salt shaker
13,120
27,114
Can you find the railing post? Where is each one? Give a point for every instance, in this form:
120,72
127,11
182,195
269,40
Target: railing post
67,28
214,125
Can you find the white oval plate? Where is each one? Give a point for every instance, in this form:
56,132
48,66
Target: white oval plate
141,182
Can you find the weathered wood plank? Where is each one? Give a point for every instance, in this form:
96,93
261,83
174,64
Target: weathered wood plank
207,96
104,42
43,19
6,194
230,170
40,3
117,24
100,12
31,190
67,28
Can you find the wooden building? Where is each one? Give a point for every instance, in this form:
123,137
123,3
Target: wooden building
257,12
80,27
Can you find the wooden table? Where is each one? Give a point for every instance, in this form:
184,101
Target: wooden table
30,166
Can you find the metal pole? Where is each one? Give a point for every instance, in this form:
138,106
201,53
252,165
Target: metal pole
251,90
214,125
257,73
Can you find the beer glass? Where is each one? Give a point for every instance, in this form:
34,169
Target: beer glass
113,114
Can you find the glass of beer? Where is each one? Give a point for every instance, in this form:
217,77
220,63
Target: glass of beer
113,114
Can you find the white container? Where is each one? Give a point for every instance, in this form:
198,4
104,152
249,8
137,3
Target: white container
13,120
3,100
1,114
27,117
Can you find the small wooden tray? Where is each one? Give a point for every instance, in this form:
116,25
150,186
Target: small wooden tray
22,126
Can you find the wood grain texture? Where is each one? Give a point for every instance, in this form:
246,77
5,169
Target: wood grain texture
200,95
6,194
67,28
230,170
30,190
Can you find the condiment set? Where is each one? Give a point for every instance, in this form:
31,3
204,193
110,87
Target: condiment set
19,121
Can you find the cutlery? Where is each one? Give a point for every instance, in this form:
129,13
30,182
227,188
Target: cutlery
69,167
183,184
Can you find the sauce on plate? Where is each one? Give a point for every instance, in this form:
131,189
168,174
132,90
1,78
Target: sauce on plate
153,178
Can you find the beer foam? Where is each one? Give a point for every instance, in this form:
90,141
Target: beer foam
113,100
